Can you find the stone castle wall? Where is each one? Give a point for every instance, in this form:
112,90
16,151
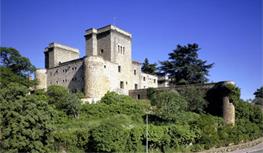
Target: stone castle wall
108,65
69,75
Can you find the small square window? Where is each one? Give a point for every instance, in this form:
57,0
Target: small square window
143,78
119,68
105,66
121,85
101,51
135,86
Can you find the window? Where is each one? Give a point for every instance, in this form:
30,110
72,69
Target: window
121,85
135,86
138,96
105,66
143,78
154,80
123,50
134,72
119,68
101,51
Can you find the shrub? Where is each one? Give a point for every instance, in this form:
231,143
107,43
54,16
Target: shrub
170,103
158,137
195,98
113,98
109,137
135,140
209,130
57,95
72,140
247,111
25,124
181,135
63,100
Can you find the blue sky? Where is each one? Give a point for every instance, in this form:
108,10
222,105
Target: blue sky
228,31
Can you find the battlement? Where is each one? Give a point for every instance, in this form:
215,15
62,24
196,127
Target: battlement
107,28
64,47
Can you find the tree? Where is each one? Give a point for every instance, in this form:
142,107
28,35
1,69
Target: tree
259,96
63,100
259,93
184,66
149,68
25,121
170,104
11,58
14,68
195,99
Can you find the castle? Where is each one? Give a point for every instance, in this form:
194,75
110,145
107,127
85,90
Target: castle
107,66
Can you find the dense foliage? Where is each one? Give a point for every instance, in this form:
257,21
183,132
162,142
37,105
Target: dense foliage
10,58
184,66
259,97
55,121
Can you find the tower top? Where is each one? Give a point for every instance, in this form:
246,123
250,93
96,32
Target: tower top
57,45
107,28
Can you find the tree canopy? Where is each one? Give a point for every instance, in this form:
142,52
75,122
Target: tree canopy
149,68
258,96
184,66
259,93
14,68
11,58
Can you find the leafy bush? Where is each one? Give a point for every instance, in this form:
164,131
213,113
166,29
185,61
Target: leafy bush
247,111
114,98
72,140
170,103
63,100
57,95
109,137
135,140
195,98
209,130
26,124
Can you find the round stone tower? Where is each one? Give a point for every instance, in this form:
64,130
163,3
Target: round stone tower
96,83
41,77
228,111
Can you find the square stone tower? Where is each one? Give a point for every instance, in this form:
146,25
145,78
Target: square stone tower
112,44
56,53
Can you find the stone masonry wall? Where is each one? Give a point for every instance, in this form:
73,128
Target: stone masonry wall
69,75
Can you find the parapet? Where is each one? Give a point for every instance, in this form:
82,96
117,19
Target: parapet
57,45
107,28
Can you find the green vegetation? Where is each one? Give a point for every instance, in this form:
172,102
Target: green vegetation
258,97
149,68
54,120
184,66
